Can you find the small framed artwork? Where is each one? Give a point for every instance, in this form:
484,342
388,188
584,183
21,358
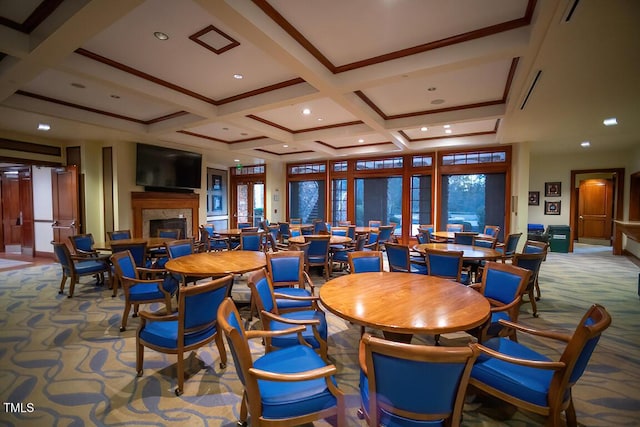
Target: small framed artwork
551,208
217,203
534,198
552,189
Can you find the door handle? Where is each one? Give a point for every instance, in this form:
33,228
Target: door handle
581,217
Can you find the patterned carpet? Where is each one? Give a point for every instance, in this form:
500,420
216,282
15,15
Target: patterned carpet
67,364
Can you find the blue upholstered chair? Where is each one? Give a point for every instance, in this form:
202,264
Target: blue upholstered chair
446,264
464,237
413,385
119,234
284,232
138,251
272,319
375,223
453,228
318,254
177,249
508,248
286,387
138,290
193,326
74,267
296,221
423,237
212,241
320,227
535,247
83,246
491,230
340,256
286,271
365,261
295,231
533,381
503,285
243,225
399,259
250,241
531,262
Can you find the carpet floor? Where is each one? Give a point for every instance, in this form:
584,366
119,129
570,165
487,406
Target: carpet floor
64,362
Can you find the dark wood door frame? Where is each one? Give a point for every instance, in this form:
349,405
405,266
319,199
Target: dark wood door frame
618,205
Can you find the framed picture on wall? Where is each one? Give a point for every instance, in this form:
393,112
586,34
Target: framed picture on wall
552,189
534,198
551,208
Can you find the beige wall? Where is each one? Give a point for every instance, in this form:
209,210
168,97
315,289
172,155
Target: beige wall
558,167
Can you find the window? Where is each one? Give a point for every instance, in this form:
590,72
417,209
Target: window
377,164
379,199
307,200
307,169
248,170
474,200
338,200
420,202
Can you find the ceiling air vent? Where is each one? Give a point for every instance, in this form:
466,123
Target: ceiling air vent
531,87
570,9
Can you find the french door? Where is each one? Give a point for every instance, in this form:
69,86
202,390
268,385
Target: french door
249,202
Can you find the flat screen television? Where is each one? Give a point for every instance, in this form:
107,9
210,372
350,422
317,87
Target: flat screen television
166,169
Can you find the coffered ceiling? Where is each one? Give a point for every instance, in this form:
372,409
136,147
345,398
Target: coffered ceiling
372,76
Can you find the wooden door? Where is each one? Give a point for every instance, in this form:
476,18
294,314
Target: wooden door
595,209
65,203
11,210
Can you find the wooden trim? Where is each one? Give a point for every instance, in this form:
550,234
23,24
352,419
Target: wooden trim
161,200
107,189
232,42
618,204
30,147
39,14
425,47
286,129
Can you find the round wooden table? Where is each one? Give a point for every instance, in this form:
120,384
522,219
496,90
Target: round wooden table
469,253
152,242
404,304
210,264
333,240
450,235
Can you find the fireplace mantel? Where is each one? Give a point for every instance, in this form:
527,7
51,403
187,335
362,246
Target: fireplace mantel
159,200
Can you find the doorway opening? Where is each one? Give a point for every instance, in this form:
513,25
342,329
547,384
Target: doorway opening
596,201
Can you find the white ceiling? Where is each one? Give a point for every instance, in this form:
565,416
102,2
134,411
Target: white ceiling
372,72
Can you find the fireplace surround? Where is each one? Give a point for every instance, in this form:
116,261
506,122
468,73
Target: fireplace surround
150,205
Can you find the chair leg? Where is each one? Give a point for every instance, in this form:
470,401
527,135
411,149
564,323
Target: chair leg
125,316
532,300
72,285
243,410
62,283
139,356
180,367
570,412
221,349
537,290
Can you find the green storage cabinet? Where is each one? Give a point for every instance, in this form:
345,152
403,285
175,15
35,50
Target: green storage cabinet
559,238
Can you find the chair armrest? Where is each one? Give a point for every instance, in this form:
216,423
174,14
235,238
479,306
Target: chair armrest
325,371
560,336
296,297
506,307
261,333
307,278
539,364
158,317
290,321
477,286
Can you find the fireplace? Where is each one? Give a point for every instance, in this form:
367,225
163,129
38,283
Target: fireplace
169,223
148,206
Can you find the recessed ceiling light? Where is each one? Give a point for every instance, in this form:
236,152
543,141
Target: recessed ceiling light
424,128
431,89
585,144
225,128
243,134
43,127
612,121
78,85
306,111
236,160
115,96
160,35
285,146
361,140
446,126
437,101
448,131
238,76
320,119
